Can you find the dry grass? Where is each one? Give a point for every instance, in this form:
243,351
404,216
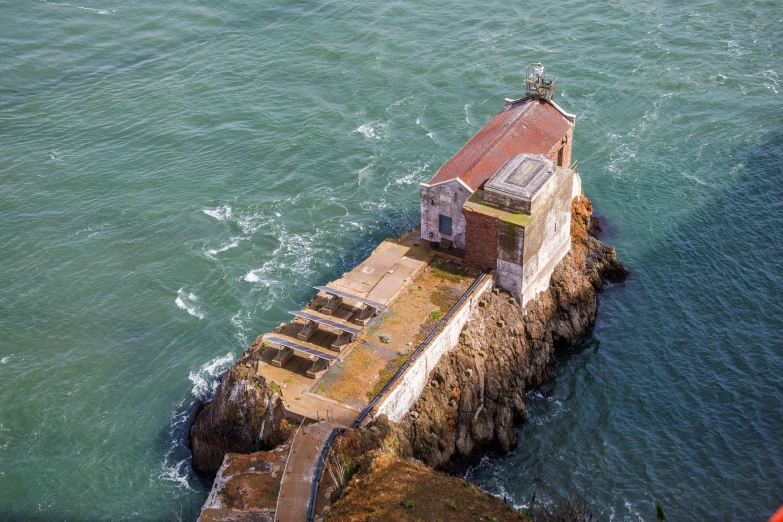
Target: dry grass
403,490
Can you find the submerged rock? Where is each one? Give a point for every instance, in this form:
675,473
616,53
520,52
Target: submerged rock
245,416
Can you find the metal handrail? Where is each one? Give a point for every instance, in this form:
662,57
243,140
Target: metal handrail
319,469
418,350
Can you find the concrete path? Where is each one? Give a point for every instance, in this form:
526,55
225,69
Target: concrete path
296,485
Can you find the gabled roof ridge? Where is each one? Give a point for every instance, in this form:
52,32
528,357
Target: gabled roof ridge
523,125
510,124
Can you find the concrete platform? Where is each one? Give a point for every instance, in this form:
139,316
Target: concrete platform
384,273
294,497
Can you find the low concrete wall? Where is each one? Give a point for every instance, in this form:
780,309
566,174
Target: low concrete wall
398,401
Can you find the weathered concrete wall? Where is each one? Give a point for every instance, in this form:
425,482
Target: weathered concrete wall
447,199
577,186
511,249
481,240
409,387
547,237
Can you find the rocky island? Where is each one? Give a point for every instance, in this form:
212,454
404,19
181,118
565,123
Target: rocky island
339,415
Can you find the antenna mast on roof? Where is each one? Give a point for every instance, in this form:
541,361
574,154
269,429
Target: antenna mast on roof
538,84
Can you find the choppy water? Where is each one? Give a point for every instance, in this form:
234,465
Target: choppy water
175,176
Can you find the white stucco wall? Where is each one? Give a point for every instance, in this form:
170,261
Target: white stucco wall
445,199
398,401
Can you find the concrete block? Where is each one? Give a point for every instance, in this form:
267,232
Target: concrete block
282,357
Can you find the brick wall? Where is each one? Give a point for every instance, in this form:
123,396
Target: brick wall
481,240
565,143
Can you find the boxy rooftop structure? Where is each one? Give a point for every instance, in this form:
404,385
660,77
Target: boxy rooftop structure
504,199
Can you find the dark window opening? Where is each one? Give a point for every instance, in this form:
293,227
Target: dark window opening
560,157
445,225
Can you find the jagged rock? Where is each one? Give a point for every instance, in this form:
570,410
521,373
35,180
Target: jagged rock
245,416
519,355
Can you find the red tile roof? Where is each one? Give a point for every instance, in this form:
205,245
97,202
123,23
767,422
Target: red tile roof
529,125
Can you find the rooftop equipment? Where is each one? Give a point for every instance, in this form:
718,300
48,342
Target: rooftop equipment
538,84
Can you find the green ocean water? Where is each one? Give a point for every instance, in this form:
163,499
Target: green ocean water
174,176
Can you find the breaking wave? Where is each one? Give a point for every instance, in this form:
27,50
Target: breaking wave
205,379
186,301
221,213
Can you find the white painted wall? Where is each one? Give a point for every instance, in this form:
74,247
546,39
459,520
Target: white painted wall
447,199
398,401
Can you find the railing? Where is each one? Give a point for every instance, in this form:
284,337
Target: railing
319,469
366,411
322,454
305,418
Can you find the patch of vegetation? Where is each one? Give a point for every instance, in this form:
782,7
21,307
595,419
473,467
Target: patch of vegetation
297,398
244,376
373,329
384,377
451,504
274,388
407,503
286,381
444,297
392,445
272,493
265,344
436,315
385,338
318,307
449,271
490,518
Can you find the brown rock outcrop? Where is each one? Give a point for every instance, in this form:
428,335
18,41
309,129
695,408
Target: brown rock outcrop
393,488
246,487
245,416
477,391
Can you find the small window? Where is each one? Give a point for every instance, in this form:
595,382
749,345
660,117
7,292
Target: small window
560,157
445,225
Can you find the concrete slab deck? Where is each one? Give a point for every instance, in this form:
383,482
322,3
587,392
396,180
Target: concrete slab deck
294,497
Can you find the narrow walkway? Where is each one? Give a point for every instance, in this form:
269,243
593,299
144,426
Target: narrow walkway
296,485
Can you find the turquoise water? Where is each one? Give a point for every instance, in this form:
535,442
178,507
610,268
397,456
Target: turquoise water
174,177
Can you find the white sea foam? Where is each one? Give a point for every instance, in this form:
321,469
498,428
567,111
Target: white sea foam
205,380
186,301
5,360
365,171
374,130
402,101
221,213
412,177
99,11
253,276
234,242
467,118
56,157
239,328
176,473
